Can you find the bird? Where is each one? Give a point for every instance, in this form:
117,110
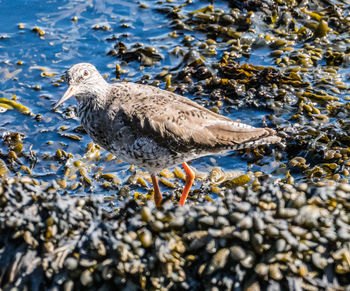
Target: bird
153,128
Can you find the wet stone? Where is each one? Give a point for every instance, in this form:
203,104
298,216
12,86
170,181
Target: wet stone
243,207
237,253
343,234
258,223
68,285
71,263
236,217
207,220
221,221
146,214
218,261
344,187
157,226
272,231
245,223
177,222
287,212
262,269
86,278
280,245
87,263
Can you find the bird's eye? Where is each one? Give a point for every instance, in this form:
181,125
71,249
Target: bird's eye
86,73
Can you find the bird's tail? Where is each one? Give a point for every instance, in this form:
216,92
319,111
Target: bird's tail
269,138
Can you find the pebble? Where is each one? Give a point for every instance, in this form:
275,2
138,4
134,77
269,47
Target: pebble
245,223
272,231
157,225
218,261
243,207
237,253
177,222
71,263
86,278
207,220
344,187
280,245
68,285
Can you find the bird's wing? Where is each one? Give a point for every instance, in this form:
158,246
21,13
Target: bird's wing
177,119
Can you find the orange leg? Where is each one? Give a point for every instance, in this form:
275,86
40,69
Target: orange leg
157,194
189,181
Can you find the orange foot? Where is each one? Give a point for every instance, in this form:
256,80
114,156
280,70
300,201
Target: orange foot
157,194
189,181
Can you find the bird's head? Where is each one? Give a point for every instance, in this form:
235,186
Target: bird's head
84,82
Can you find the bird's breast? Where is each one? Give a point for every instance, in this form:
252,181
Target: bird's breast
107,130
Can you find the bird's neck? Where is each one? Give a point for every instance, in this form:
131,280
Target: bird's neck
96,96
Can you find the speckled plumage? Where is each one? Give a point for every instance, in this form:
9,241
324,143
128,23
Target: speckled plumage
153,128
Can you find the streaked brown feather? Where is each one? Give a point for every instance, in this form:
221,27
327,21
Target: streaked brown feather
177,120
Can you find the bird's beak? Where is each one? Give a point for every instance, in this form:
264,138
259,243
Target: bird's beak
71,91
